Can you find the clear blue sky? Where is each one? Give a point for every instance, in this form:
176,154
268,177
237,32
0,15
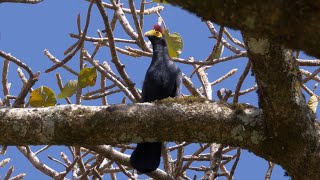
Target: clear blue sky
26,30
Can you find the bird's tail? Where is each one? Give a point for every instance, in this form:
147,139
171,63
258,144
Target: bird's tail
146,157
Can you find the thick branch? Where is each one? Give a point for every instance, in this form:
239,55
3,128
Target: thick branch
84,125
287,118
294,24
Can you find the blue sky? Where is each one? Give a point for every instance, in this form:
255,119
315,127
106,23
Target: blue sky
26,30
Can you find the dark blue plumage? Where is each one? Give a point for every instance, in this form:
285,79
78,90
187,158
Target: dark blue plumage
162,80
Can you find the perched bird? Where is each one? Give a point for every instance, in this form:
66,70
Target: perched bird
162,80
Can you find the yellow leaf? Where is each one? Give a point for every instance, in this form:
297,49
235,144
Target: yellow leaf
313,103
174,43
69,89
42,97
87,77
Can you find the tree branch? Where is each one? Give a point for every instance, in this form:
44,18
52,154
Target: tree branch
22,1
291,23
84,125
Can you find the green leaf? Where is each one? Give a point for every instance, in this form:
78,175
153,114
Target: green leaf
313,103
174,43
69,89
161,1
219,51
42,97
87,77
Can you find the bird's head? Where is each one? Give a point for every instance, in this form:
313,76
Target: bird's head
156,35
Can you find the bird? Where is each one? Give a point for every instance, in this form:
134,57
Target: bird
163,79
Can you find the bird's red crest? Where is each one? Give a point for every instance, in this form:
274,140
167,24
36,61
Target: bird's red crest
158,28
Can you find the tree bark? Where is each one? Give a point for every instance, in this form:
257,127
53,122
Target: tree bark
93,125
291,135
294,24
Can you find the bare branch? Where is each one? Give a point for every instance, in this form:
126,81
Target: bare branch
56,61
37,164
115,60
4,80
17,62
241,80
80,42
21,1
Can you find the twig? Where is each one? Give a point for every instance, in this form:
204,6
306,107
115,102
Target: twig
255,87
115,60
172,148
187,164
74,45
101,95
69,168
308,74
56,160
103,86
42,149
269,172
99,90
114,80
140,39
9,173
21,1
22,76
122,19
81,41
5,86
216,46
239,84
103,39
80,163
19,176
81,66
204,81
142,4
65,158
4,162
59,81
191,61
114,21
234,40
37,164
214,51
215,158
126,172
26,88
311,76
224,42
16,61
179,161
138,51
234,166
167,160
3,150
96,174
189,85
56,61
128,11
308,90
230,73
112,154
303,62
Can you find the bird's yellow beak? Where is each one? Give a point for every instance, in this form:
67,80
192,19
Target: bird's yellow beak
153,33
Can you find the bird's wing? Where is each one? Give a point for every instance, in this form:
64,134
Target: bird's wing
178,85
